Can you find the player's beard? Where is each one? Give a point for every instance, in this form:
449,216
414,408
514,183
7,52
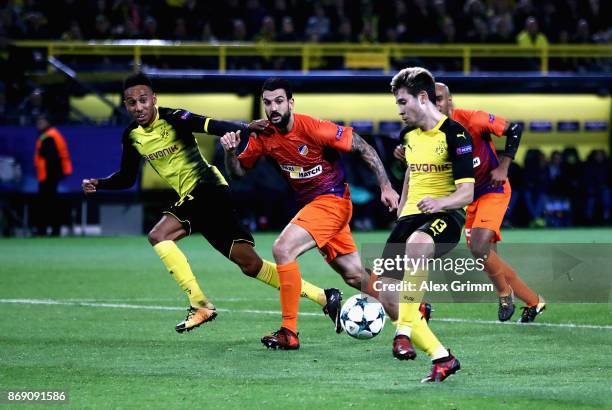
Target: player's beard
284,121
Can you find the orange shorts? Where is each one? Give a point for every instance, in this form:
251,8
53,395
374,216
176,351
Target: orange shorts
487,212
327,219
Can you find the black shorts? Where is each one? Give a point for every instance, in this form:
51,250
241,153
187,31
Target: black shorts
209,209
444,228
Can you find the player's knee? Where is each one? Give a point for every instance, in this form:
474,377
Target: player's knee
480,249
156,236
281,252
420,245
250,267
353,278
417,251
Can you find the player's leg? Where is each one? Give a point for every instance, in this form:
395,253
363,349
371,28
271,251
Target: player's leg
252,265
419,246
314,225
432,239
444,364
482,246
353,273
485,233
163,238
292,242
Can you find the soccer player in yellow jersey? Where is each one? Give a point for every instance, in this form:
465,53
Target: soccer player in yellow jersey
439,182
164,138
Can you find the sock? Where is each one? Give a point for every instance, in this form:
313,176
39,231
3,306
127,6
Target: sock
290,288
314,293
520,288
369,287
440,353
176,262
402,330
494,267
410,321
269,275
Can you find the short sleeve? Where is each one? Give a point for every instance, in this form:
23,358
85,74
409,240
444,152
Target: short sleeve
252,152
331,135
490,122
460,153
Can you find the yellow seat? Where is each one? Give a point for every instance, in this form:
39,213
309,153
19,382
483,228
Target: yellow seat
355,60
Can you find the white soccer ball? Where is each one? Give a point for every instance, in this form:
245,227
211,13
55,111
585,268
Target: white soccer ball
362,316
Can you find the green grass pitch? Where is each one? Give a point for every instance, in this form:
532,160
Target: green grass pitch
96,316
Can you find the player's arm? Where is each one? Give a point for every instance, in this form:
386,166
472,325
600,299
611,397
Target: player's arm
229,142
238,165
388,195
463,195
404,196
122,179
513,133
201,123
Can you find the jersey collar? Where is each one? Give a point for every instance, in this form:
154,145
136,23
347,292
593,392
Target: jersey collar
435,129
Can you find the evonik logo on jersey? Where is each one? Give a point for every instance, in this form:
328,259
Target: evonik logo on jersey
161,153
296,172
429,167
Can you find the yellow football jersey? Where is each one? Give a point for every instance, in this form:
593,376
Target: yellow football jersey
437,160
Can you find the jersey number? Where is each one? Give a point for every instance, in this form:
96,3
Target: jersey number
438,226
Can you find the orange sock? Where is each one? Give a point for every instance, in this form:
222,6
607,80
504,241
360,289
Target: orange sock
369,288
290,288
520,288
494,267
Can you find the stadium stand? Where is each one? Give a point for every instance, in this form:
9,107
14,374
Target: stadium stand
569,38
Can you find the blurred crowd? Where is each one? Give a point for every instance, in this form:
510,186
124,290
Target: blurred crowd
411,21
561,190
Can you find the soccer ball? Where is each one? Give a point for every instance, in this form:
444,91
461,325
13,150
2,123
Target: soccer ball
362,316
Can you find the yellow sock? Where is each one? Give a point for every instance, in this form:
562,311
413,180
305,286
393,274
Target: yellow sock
422,336
410,321
314,293
179,268
269,275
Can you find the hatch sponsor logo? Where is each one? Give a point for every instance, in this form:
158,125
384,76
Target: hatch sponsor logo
296,172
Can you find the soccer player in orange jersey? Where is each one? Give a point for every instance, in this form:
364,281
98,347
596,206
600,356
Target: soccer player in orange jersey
307,152
491,198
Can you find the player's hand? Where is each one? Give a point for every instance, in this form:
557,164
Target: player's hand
399,153
258,125
429,205
89,185
230,141
389,197
498,176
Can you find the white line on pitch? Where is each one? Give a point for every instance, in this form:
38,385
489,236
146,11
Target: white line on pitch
274,312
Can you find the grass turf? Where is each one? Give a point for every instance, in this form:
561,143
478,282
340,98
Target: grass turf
107,353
